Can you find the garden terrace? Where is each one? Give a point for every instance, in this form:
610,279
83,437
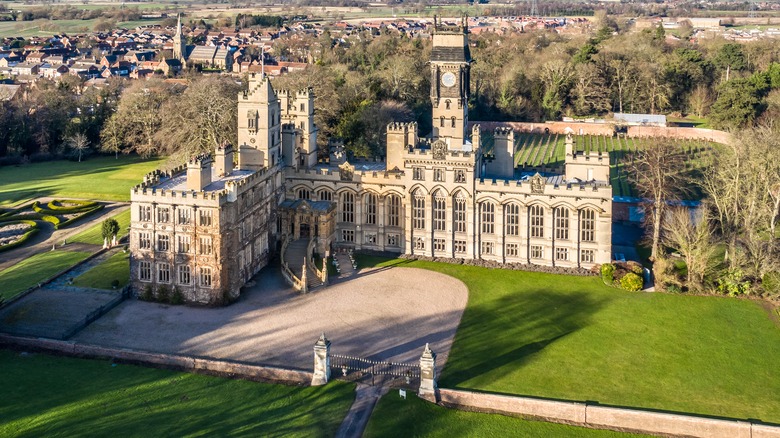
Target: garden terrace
547,152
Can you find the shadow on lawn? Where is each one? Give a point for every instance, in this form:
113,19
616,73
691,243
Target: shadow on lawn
497,337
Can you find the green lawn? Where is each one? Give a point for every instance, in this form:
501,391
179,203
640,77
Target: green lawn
55,396
35,269
103,178
94,234
116,267
573,338
396,417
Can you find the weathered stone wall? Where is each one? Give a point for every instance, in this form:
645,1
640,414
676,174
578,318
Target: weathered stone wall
603,417
680,133
169,361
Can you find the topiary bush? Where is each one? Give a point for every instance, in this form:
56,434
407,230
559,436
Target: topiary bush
608,273
631,282
177,297
163,294
148,293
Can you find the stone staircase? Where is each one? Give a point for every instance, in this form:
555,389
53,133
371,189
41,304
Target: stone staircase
293,257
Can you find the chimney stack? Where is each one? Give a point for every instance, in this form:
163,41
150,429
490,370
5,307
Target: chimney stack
199,172
224,160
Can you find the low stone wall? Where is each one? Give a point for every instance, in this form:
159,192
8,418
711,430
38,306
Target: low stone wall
506,266
162,360
602,417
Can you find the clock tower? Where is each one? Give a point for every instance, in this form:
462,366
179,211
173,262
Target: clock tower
450,79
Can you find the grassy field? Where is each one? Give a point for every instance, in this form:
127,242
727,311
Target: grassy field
93,235
394,416
103,178
55,396
35,269
573,338
116,267
44,27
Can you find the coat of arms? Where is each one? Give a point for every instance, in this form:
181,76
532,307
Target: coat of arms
537,183
346,171
439,150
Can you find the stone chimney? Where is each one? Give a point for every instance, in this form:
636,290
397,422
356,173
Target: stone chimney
223,165
199,172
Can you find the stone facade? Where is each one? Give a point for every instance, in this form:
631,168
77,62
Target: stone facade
445,195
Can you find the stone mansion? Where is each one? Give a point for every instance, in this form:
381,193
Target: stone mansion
207,227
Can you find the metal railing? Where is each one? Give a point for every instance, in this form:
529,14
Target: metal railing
348,364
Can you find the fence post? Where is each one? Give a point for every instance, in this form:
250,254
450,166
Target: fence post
321,361
428,389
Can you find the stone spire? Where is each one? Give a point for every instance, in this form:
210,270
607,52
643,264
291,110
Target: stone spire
179,44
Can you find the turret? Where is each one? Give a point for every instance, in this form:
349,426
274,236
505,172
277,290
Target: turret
400,138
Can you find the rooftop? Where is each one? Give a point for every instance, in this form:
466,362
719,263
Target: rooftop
179,181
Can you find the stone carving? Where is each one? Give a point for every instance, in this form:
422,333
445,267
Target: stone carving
439,150
346,171
537,183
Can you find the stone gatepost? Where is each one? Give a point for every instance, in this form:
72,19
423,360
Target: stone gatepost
325,270
428,389
321,361
304,277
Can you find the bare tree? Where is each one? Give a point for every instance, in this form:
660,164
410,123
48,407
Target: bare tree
657,171
694,240
79,143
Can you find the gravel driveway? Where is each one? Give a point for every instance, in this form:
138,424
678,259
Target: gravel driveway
386,313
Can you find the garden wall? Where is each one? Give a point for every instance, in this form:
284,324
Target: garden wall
609,130
602,417
172,361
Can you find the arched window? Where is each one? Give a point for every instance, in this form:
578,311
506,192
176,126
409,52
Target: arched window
441,121
304,194
588,225
347,207
370,201
252,120
393,211
561,223
439,211
459,213
487,212
418,210
325,195
537,220
453,122
447,103
512,219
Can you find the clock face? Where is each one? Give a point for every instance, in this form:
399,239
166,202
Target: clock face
448,79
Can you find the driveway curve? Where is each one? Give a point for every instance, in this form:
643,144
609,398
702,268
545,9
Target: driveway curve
382,314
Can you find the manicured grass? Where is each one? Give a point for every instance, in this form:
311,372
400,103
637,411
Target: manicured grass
102,178
573,338
55,396
94,236
116,267
35,269
394,417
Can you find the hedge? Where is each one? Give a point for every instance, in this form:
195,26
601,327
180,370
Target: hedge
79,217
53,208
31,232
53,219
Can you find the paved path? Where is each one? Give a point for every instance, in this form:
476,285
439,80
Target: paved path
381,314
48,236
355,422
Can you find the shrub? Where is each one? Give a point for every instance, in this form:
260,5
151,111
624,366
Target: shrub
177,297
147,294
631,282
733,283
79,217
635,267
771,283
115,284
31,232
163,294
607,273
52,219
